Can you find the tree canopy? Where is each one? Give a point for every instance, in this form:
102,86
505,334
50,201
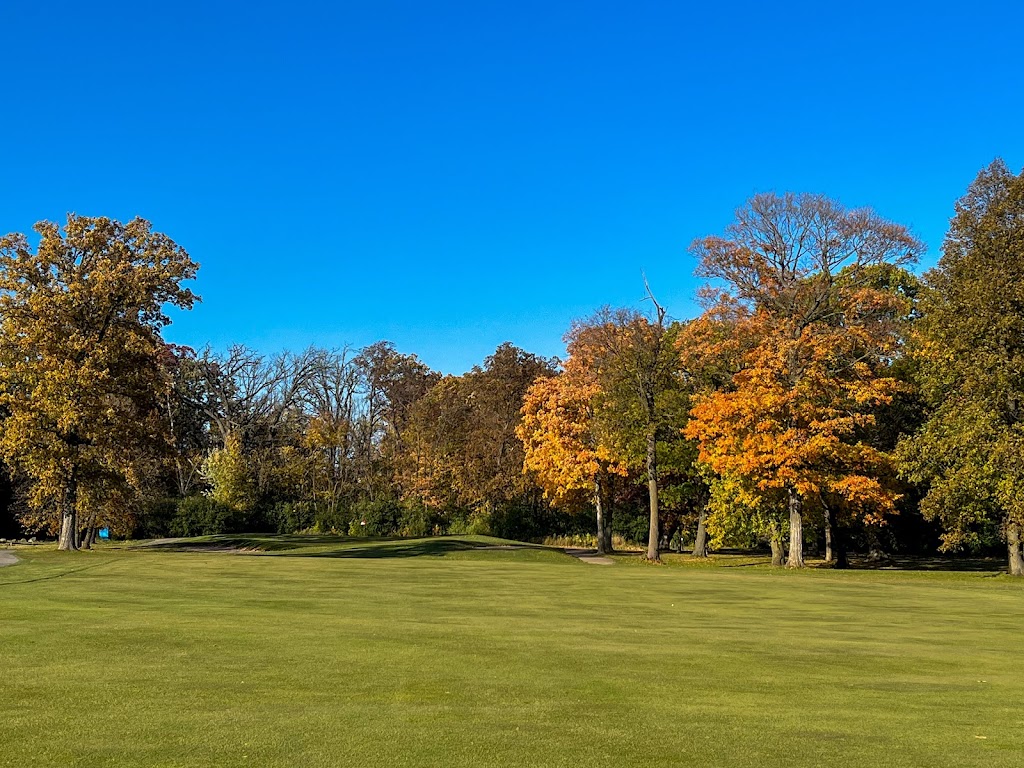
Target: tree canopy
808,332
826,395
80,380
969,346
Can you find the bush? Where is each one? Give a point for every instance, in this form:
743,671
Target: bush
477,523
525,521
203,516
632,524
155,518
588,541
334,519
417,520
291,517
375,518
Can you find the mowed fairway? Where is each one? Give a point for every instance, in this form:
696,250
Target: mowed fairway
426,653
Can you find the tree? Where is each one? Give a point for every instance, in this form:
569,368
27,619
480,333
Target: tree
970,349
634,360
796,274
462,437
250,394
80,322
184,408
330,397
357,407
254,405
566,448
802,438
390,383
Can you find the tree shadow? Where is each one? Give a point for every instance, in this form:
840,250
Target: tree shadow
901,563
402,548
312,545
257,542
952,564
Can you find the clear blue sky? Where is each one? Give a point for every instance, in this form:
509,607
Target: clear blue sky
453,175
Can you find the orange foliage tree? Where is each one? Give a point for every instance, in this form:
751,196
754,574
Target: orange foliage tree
809,333
566,447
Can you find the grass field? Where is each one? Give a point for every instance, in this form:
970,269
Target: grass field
322,652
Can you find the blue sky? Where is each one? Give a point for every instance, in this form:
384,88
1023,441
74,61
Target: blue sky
453,175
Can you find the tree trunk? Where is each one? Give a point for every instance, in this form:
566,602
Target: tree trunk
68,540
600,515
776,543
1014,545
828,535
839,546
85,542
68,531
668,531
652,493
700,543
607,505
796,531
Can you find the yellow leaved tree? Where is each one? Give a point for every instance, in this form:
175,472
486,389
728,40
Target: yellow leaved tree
80,379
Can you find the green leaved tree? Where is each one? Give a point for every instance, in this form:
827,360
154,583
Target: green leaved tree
969,347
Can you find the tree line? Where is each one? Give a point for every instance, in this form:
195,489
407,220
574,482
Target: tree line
827,396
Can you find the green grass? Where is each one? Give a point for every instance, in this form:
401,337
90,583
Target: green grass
330,652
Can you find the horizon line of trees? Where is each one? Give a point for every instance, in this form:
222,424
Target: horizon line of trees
827,396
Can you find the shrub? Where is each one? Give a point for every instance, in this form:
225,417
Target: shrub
155,518
291,517
203,516
418,520
334,519
477,523
375,518
589,541
632,525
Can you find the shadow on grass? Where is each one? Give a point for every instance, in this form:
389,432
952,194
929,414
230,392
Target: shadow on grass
892,563
255,542
406,548
52,576
897,563
303,545
756,558
393,547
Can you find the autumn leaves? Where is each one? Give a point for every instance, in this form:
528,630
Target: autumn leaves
823,389
80,321
782,374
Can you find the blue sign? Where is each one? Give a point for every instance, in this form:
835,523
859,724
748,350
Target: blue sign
104,533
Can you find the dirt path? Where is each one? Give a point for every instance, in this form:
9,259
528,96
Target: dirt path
7,558
590,556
